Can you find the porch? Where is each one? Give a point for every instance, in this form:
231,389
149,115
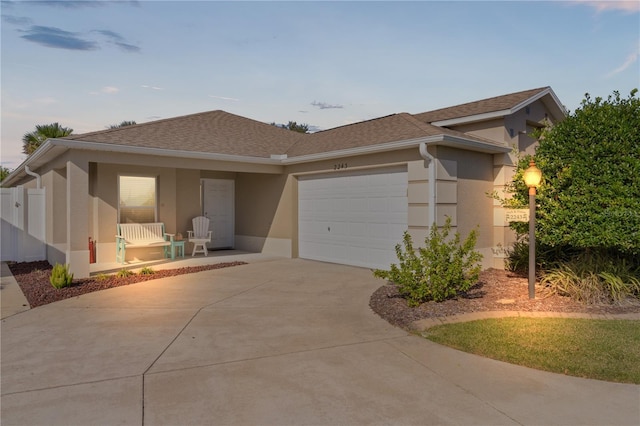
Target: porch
214,257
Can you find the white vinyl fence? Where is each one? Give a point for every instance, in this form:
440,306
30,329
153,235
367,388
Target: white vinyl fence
23,224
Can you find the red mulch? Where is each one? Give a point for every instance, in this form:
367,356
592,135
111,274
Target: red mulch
33,278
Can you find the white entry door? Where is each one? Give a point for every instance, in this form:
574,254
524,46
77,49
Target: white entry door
218,204
353,218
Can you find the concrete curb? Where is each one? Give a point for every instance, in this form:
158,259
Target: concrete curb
427,323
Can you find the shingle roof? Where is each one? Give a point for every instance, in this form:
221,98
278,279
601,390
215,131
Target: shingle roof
391,128
498,103
210,132
220,132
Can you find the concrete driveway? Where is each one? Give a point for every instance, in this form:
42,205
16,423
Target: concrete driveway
278,342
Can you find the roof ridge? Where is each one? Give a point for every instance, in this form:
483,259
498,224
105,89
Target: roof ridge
354,123
168,120
146,123
490,99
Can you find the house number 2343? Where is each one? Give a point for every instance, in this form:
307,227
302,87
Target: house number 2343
340,166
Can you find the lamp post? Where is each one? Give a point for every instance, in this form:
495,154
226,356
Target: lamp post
532,177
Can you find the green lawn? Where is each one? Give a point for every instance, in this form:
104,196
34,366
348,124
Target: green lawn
596,349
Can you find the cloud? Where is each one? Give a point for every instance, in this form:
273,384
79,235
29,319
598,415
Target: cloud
602,5
61,39
324,105
16,20
57,38
152,87
118,40
631,59
224,98
69,4
106,90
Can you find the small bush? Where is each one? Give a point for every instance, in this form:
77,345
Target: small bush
102,277
122,273
147,271
441,270
60,276
518,257
594,278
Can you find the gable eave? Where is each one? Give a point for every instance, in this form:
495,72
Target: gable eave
547,96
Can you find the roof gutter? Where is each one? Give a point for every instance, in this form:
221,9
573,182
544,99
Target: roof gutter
127,149
472,118
23,168
28,171
441,139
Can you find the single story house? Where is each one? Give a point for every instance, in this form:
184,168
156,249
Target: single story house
343,195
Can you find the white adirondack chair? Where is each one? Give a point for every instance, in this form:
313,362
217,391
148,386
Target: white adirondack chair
200,235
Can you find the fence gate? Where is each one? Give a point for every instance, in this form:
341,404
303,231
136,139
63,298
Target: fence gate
23,224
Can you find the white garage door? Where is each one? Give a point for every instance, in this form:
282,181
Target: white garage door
353,218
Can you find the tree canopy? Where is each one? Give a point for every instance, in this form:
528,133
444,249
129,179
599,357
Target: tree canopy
4,172
32,140
122,124
589,198
292,125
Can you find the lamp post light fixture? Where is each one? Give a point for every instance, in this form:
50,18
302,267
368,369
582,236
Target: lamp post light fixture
532,177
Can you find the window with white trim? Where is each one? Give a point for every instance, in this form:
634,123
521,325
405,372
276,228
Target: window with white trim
137,199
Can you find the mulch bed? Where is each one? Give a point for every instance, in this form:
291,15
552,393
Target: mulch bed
33,278
496,290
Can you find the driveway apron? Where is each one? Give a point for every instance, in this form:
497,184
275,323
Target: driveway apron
277,342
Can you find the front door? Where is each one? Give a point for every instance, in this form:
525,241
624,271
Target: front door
218,204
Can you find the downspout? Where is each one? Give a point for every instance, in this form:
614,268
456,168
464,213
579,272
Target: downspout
430,159
28,171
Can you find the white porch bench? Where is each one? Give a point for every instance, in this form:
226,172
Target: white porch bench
136,235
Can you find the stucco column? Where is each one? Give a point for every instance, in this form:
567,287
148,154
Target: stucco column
77,252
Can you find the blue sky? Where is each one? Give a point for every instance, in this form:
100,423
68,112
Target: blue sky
90,64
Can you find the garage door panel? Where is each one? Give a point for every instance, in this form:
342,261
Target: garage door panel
354,219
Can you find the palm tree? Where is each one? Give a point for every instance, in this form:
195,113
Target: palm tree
32,140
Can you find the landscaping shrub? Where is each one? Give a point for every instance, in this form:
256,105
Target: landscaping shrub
518,256
60,276
517,259
124,273
594,278
441,270
147,271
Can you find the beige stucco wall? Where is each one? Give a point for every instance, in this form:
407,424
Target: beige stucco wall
54,182
492,130
106,190
474,182
187,199
265,213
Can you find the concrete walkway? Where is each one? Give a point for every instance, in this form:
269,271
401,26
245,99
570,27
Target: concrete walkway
278,342
12,301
